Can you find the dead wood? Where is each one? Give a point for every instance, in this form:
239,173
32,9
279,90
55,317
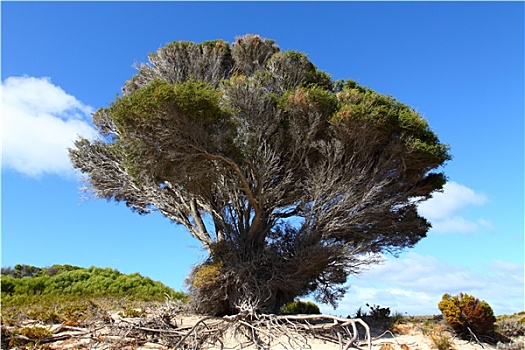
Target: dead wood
261,331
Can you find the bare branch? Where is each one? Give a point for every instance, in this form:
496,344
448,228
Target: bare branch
304,181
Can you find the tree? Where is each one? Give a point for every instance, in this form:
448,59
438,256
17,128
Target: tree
291,181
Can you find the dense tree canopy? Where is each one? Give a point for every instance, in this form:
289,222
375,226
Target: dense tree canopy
291,181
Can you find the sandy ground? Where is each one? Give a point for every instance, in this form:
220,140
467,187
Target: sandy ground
407,336
386,342
411,339
152,330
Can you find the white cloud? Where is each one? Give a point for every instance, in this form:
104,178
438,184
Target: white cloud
443,208
420,272
453,198
39,122
457,224
415,284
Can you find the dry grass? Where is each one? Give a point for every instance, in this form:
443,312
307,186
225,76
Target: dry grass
26,326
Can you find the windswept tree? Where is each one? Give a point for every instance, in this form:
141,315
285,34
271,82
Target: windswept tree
291,181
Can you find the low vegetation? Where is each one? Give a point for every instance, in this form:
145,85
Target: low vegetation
511,327
65,293
510,330
35,301
463,317
468,315
438,332
72,296
300,307
23,281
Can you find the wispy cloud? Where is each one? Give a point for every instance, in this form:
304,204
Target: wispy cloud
39,122
415,284
443,210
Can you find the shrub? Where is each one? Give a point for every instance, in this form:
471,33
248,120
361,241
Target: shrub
59,280
45,314
510,346
464,312
206,286
206,275
31,336
437,333
441,341
511,328
300,307
35,333
359,313
131,312
378,312
395,320
7,284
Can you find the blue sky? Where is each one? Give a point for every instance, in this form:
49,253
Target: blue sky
460,64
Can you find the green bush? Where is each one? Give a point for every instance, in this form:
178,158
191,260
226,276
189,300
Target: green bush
464,312
300,307
31,337
59,280
132,312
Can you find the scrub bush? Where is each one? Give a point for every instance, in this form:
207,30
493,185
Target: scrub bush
206,275
26,281
464,312
132,312
300,307
511,328
378,312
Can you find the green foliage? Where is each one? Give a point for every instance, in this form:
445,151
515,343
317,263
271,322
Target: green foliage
314,97
44,312
256,150
35,333
359,313
199,100
132,312
71,309
91,282
72,294
363,106
32,336
21,270
382,315
464,312
161,100
300,307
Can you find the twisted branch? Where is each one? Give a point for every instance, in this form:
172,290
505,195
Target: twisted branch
234,332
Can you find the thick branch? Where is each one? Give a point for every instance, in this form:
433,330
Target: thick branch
244,183
197,218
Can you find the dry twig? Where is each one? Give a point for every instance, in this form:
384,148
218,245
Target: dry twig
264,331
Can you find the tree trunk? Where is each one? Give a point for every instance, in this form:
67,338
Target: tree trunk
252,276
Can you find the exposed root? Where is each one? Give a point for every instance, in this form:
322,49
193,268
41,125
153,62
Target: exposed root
260,331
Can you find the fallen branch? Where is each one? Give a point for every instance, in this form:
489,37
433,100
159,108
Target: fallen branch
238,331
476,338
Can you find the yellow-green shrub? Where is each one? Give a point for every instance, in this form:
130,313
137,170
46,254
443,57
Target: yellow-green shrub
464,312
300,307
206,275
